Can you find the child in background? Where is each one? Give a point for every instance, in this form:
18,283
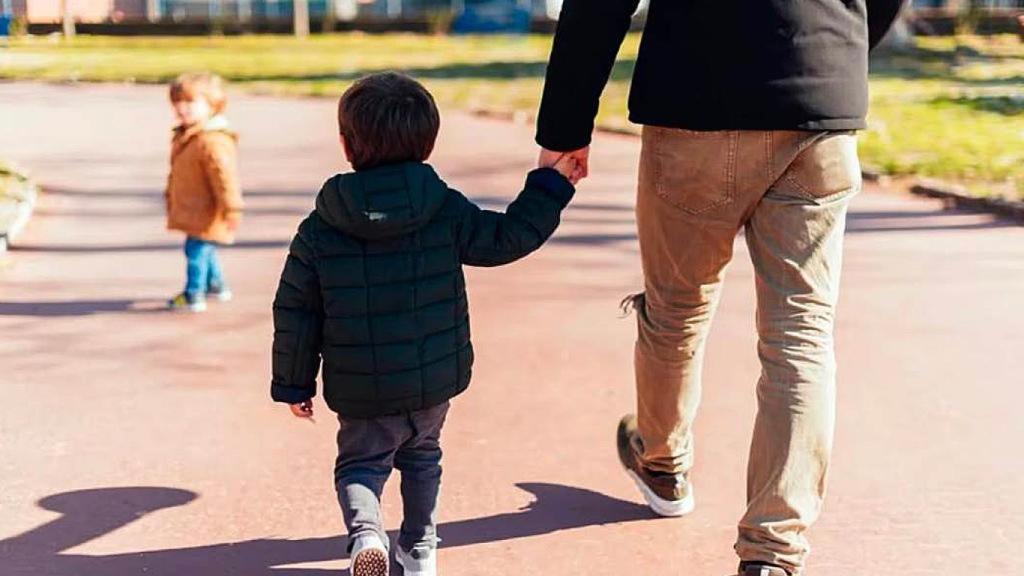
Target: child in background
373,286
203,196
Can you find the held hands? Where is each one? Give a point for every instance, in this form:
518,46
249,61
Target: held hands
574,164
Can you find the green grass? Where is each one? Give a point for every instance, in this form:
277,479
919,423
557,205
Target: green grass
949,108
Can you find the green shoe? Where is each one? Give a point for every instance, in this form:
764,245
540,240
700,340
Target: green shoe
183,303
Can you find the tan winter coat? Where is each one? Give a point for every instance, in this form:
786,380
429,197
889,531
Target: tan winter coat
204,199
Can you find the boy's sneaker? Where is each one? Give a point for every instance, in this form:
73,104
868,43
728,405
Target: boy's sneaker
219,293
666,494
760,569
369,557
183,303
420,561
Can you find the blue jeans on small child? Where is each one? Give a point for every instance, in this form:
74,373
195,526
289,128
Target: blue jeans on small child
204,269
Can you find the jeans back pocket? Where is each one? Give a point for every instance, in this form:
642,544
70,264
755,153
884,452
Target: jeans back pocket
690,170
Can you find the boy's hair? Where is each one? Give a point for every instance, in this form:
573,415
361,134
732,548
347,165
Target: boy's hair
188,87
388,118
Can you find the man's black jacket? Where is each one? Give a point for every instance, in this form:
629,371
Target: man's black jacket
716,65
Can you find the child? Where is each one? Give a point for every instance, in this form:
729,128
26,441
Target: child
373,286
203,197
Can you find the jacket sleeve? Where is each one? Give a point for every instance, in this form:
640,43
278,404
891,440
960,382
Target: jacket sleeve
587,38
221,166
881,15
489,238
298,323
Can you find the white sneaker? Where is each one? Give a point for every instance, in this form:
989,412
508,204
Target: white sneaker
369,557
220,295
419,561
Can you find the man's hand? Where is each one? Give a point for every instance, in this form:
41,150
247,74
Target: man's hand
303,409
549,158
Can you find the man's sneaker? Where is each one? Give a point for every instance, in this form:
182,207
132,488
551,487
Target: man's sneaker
420,561
219,293
760,569
666,494
183,303
369,557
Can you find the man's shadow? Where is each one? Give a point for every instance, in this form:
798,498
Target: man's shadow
89,514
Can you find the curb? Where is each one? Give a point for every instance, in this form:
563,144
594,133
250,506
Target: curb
958,197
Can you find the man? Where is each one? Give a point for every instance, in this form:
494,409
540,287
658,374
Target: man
749,112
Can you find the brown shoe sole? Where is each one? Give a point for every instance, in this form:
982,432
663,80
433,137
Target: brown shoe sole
371,562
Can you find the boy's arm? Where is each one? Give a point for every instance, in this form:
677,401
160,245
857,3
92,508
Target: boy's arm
298,323
489,238
221,165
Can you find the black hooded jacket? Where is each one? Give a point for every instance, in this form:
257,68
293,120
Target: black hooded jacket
373,286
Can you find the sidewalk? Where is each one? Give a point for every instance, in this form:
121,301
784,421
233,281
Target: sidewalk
170,414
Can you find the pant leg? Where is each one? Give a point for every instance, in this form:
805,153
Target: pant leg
795,237
215,272
366,455
693,192
197,255
419,461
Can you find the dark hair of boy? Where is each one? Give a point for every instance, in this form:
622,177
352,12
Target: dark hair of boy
387,118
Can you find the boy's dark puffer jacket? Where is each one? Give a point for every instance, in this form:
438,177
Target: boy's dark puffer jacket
373,285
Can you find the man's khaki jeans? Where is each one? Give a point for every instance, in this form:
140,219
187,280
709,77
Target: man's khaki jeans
789,191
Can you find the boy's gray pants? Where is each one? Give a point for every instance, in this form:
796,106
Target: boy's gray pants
368,449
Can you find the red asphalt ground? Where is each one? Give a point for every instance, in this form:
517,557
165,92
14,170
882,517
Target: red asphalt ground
133,441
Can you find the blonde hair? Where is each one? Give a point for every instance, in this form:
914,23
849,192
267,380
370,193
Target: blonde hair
188,87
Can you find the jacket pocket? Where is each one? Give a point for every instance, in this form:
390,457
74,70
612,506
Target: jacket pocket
827,170
692,171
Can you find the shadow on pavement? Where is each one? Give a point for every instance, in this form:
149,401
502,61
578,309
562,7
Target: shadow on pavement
89,514
923,221
79,307
153,247
158,195
159,212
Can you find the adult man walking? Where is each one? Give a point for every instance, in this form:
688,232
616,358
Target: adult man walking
749,112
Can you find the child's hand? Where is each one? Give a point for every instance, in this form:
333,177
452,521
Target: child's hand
568,166
303,409
232,222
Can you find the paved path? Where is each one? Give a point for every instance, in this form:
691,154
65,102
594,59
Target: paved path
137,442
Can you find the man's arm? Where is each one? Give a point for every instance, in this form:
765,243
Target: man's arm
489,238
881,15
587,39
298,323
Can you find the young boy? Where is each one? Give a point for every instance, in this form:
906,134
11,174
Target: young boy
373,286
203,196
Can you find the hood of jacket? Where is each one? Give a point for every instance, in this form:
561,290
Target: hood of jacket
382,202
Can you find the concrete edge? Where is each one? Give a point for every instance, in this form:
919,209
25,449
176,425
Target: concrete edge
958,197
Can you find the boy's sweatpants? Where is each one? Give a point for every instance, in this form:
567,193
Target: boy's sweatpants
368,449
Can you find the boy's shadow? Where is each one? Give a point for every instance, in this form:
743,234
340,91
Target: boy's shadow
89,514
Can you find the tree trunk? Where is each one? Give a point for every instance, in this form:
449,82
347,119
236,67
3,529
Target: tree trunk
301,17
67,19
